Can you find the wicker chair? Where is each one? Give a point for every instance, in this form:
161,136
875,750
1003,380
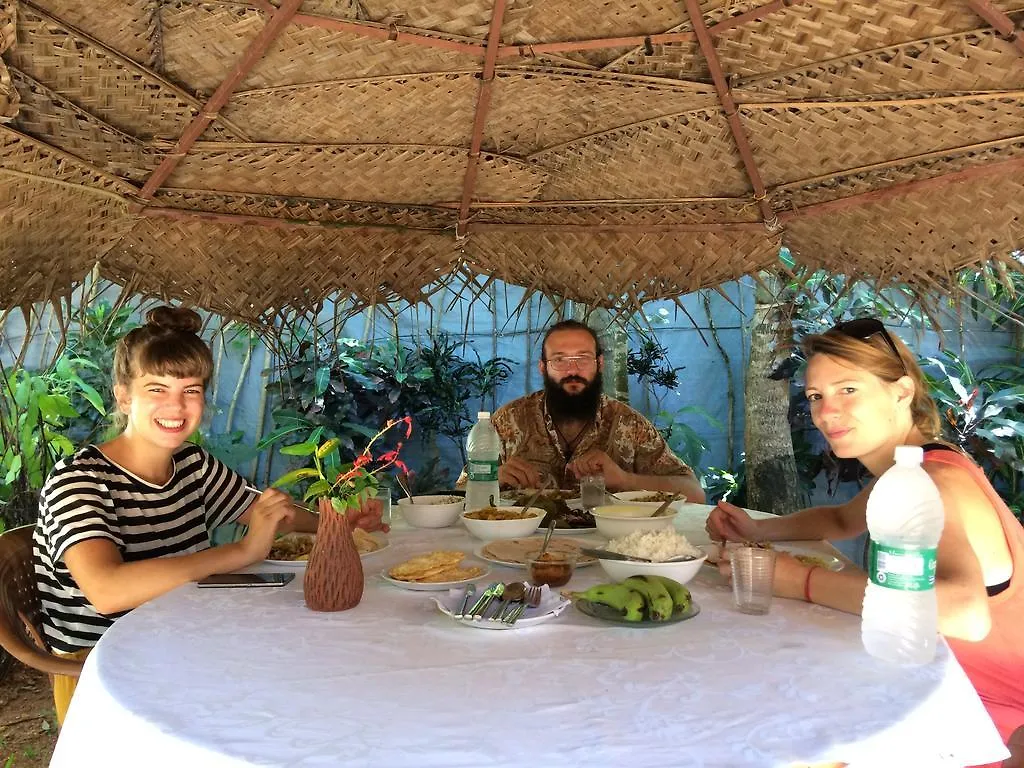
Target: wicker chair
20,610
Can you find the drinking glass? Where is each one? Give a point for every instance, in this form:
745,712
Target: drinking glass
592,491
753,572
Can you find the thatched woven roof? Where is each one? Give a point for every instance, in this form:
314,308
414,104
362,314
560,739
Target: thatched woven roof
243,156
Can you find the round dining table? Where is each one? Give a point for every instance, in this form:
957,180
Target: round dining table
251,677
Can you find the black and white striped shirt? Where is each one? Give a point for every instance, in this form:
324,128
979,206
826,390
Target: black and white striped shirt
87,496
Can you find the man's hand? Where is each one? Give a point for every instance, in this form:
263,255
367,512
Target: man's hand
518,473
266,514
368,516
598,462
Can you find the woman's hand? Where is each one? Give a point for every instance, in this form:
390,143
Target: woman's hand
266,514
727,522
788,581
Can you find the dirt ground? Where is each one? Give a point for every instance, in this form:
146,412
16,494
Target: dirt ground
28,727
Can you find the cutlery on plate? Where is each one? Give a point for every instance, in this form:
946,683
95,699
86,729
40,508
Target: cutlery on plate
482,600
530,600
493,592
470,591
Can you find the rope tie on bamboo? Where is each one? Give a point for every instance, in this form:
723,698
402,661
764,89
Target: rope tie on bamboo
392,32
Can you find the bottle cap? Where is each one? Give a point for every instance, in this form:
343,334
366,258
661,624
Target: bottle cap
909,454
484,415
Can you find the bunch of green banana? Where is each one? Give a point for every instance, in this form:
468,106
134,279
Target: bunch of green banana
638,597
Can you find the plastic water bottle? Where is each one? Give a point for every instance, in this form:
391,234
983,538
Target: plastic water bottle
483,448
905,518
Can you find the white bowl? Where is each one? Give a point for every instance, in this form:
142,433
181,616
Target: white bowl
504,529
618,520
431,511
632,498
681,570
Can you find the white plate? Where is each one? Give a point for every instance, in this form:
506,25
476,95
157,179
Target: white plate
551,605
797,549
381,540
479,552
418,586
571,531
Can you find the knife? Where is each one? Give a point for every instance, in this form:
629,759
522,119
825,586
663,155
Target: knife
604,554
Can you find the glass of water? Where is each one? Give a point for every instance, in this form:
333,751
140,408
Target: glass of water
592,491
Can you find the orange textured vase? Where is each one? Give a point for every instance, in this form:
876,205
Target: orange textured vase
334,575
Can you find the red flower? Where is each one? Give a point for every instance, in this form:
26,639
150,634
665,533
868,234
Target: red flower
361,460
401,465
408,426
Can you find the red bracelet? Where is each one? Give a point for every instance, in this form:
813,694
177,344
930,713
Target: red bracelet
807,583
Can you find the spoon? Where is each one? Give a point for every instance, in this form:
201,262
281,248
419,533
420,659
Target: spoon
535,496
470,591
405,488
547,538
664,506
514,592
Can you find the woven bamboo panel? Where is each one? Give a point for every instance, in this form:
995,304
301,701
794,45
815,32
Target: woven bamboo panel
694,212
973,61
47,115
309,209
131,27
613,269
533,109
551,20
238,270
690,155
887,132
798,196
920,237
416,174
469,18
373,111
127,97
8,19
27,155
812,32
202,41
42,260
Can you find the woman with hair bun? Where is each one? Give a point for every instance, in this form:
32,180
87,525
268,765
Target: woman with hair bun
130,519
867,396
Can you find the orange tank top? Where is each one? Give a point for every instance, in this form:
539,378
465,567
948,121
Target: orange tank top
995,665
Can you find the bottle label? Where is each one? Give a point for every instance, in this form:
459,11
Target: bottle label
482,471
912,570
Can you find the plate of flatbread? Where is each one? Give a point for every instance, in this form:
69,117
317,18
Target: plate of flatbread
292,550
435,571
515,552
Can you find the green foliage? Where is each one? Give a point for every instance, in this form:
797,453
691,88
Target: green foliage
341,387
983,413
453,386
35,409
685,441
725,485
346,485
95,330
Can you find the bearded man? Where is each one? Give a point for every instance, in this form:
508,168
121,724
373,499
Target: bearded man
571,429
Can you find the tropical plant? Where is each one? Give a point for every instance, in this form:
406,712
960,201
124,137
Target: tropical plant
983,414
347,485
453,386
35,409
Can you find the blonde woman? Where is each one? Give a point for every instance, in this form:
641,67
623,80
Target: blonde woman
867,396
128,520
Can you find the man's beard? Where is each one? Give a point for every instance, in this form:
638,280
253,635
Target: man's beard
565,406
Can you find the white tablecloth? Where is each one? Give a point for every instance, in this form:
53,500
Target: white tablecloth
252,677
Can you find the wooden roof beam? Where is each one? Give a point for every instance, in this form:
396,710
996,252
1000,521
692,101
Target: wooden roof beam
1002,23
483,106
278,21
739,135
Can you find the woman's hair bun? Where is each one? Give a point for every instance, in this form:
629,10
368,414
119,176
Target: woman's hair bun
174,319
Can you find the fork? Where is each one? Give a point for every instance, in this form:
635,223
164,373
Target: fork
530,600
493,593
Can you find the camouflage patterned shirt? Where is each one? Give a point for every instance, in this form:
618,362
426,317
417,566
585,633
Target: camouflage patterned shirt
630,440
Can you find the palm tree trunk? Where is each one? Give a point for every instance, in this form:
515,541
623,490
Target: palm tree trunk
772,480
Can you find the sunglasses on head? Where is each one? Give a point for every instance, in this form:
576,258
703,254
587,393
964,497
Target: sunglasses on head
864,328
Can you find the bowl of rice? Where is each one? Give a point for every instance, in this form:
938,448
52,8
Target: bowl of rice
616,520
659,546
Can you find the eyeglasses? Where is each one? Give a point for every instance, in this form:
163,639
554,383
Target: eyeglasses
864,328
565,362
